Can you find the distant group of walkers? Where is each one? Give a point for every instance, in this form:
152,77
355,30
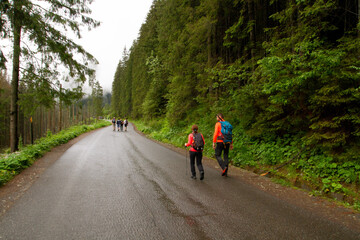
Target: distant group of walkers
222,143
119,124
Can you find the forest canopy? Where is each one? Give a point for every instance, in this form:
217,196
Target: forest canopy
275,68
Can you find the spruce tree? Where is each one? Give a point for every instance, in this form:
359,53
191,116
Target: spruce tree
43,27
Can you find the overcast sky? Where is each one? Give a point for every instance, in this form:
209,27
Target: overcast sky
120,24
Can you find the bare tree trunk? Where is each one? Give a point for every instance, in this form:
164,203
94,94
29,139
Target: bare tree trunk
65,114
37,125
26,130
73,115
46,117
48,125
252,33
60,111
31,131
83,115
209,46
21,125
345,17
77,114
69,116
14,139
89,113
54,120
41,121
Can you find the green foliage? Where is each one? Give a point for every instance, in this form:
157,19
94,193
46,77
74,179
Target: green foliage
48,49
13,163
155,100
357,205
5,91
325,173
284,73
40,26
331,172
97,99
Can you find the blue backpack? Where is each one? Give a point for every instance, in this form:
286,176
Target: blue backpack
226,131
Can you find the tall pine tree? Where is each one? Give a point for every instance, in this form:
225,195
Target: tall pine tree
43,25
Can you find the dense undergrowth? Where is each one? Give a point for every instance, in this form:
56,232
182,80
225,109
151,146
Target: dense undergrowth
304,167
12,164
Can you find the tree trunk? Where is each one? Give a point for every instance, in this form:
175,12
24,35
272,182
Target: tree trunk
60,111
73,121
252,33
69,117
209,46
48,125
41,120
54,120
21,126
14,139
31,131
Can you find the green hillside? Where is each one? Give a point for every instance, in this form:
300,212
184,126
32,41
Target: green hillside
285,73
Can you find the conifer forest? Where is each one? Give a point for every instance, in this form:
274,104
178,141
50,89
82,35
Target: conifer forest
277,68
285,73
40,58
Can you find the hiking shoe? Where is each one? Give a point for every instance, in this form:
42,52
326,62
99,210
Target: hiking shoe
224,172
193,177
201,175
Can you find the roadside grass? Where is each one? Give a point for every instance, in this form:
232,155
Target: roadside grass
309,169
12,164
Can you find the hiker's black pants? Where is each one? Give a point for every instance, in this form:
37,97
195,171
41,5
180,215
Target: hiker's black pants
221,147
198,157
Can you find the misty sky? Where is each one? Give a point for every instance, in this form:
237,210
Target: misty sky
120,24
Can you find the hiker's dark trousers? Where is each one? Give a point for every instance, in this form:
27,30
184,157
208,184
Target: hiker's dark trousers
221,147
198,157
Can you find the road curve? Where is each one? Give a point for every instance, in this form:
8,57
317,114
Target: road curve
121,185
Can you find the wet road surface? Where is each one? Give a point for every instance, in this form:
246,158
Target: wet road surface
120,185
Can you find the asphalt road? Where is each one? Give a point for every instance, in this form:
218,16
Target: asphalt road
121,185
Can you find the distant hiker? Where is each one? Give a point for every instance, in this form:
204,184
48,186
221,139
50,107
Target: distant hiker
118,124
222,142
113,123
126,123
121,125
197,142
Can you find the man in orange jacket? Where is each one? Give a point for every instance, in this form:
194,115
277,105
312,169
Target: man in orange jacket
220,146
